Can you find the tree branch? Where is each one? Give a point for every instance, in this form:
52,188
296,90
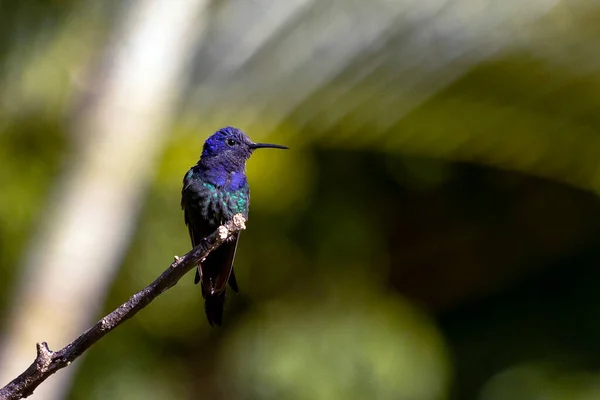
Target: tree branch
48,362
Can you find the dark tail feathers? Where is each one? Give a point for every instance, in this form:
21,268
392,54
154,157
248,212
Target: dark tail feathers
213,306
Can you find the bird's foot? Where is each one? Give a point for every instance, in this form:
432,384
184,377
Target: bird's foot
239,221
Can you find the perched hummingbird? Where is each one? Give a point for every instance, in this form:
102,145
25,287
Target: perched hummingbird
214,190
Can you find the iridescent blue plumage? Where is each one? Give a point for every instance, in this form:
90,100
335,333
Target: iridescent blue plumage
214,190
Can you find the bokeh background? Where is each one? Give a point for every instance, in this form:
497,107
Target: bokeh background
432,233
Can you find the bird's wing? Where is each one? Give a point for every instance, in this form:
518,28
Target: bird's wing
217,269
196,234
232,281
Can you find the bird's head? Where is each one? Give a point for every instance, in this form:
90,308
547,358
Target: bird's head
230,148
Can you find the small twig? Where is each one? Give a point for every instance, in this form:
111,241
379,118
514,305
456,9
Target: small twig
48,362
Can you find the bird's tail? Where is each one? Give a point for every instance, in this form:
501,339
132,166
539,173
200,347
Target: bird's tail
213,306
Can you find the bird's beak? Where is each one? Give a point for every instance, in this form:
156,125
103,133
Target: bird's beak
254,146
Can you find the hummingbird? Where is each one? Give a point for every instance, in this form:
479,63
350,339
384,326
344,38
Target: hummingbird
214,190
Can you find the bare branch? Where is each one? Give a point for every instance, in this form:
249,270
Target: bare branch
48,362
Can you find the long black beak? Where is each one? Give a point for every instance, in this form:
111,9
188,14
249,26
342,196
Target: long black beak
267,146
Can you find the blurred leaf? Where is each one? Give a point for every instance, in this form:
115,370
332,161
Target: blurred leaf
335,342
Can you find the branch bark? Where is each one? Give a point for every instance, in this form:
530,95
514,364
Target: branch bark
47,362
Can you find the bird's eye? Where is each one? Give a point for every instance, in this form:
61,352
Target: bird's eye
231,142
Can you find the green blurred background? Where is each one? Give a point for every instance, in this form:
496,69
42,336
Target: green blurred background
432,233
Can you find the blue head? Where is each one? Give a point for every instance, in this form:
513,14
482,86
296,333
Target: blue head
229,148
